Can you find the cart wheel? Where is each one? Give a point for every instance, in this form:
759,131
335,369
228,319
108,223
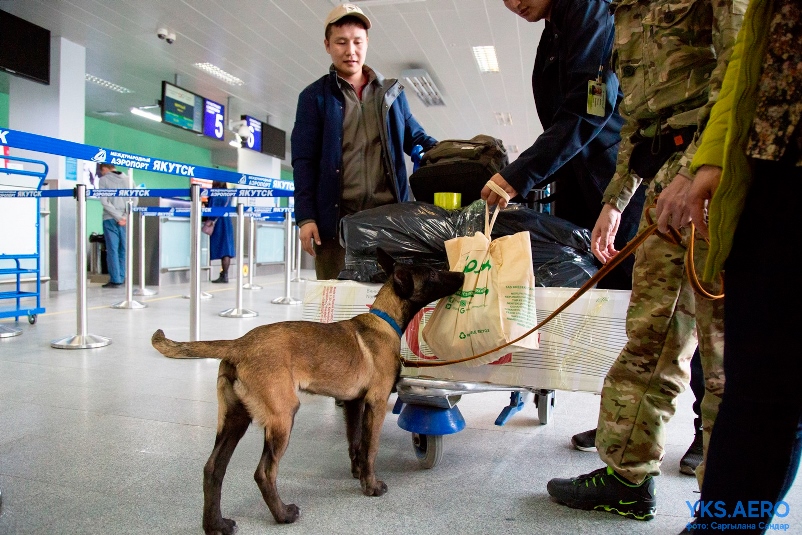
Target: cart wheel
32,319
544,401
428,449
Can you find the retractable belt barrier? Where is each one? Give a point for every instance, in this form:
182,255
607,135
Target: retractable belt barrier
34,142
82,339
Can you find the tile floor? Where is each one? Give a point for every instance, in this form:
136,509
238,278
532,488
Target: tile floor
113,441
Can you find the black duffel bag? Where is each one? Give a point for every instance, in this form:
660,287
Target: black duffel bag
458,166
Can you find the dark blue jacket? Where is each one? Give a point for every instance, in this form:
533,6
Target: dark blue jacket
317,148
576,149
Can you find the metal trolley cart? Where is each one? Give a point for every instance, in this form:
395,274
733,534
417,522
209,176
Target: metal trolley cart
19,257
576,349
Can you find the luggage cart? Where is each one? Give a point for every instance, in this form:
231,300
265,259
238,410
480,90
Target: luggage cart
427,408
576,350
24,260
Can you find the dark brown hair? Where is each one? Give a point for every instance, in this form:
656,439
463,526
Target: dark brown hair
348,19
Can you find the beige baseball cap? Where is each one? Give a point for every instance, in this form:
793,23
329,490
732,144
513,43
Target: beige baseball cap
346,10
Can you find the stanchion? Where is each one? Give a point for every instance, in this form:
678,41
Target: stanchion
8,332
82,340
238,311
142,290
251,260
129,301
287,299
194,262
298,250
203,295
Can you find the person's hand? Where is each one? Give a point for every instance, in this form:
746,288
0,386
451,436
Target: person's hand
122,222
672,205
602,239
492,197
307,233
704,186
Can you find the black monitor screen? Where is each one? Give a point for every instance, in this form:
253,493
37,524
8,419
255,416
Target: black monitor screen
274,141
24,48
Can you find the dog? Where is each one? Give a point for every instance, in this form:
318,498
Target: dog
356,361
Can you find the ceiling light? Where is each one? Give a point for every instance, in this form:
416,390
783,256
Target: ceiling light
423,85
512,149
219,73
142,112
374,2
486,58
503,118
108,85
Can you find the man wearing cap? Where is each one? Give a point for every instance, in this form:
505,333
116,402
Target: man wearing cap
352,128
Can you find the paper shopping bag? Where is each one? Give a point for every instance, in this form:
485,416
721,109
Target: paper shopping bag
496,303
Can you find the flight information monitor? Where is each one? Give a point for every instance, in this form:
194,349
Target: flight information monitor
213,117
182,108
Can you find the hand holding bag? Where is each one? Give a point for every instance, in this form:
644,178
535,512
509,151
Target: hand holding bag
496,303
208,227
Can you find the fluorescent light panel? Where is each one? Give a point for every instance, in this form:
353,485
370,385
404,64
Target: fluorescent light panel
146,114
108,85
423,85
219,73
503,118
486,58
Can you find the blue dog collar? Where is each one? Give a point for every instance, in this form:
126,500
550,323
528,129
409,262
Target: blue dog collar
386,317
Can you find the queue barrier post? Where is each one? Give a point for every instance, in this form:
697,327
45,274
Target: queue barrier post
141,290
194,262
129,302
287,299
238,311
251,256
81,340
298,250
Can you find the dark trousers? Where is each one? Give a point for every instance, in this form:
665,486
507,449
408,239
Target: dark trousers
329,259
755,446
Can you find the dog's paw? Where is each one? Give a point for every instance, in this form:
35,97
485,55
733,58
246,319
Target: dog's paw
289,515
376,489
228,527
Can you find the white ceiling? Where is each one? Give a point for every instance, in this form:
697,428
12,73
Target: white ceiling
276,47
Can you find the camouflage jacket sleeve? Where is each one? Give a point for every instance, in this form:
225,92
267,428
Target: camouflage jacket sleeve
623,184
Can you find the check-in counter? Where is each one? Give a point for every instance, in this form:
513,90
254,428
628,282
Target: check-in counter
167,244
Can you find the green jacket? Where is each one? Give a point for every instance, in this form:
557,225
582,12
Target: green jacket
725,138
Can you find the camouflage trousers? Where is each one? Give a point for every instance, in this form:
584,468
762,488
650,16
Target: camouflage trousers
665,319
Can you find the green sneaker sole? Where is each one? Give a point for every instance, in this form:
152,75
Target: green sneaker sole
635,515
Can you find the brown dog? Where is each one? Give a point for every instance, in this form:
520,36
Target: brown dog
356,360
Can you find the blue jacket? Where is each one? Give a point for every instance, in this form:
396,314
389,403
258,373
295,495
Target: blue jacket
317,148
576,149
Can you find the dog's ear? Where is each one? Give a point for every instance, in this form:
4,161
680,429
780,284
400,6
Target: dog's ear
385,261
403,283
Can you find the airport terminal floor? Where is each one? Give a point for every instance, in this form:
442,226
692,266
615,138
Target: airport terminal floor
114,440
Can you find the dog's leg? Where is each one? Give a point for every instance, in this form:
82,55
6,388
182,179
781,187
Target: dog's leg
235,422
277,437
372,420
353,430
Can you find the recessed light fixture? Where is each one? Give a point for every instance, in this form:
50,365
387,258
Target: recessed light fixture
423,85
486,58
512,149
108,85
219,73
142,112
503,118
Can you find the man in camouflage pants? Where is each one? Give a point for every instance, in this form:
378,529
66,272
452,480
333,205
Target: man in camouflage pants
670,56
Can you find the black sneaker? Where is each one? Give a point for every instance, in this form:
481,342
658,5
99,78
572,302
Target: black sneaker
604,490
112,285
584,441
693,457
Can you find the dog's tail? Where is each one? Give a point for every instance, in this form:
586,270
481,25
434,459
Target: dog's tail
215,349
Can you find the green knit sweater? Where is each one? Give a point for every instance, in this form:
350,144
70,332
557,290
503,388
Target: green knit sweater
725,138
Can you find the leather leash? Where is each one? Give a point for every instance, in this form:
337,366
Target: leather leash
606,268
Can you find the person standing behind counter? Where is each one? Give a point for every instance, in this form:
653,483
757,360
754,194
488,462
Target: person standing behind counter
115,210
577,96
221,241
352,128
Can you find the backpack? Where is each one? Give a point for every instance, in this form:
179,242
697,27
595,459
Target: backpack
459,166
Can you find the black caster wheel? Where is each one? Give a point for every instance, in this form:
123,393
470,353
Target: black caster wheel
428,449
32,319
